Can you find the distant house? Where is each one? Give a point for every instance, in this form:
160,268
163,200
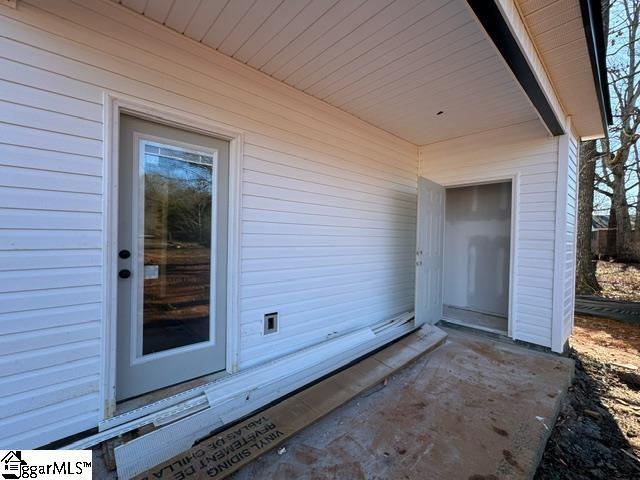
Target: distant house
603,238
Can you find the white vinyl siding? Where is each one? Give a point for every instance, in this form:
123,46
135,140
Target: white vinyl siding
569,260
523,150
328,204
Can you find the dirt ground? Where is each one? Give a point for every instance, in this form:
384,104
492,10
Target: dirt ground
619,281
597,434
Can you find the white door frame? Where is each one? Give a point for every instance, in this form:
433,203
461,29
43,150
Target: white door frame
515,186
114,105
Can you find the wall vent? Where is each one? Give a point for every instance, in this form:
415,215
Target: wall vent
270,323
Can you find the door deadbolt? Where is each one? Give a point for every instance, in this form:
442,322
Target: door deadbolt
124,273
124,254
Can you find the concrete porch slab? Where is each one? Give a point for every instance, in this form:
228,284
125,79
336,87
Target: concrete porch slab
475,408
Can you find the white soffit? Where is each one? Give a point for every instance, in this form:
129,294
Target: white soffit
557,31
394,64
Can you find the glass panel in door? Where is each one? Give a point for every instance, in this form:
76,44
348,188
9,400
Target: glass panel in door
176,225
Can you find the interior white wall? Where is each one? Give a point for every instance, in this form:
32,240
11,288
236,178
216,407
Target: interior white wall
527,152
477,247
328,206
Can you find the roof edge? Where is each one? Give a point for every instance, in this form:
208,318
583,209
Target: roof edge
593,24
497,28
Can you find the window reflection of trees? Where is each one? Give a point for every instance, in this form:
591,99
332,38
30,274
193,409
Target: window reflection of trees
178,198
177,238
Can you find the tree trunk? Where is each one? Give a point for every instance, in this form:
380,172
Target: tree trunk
624,240
636,230
586,281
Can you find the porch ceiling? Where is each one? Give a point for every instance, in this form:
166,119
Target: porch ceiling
395,64
556,28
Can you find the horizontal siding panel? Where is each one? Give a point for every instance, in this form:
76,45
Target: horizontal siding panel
53,102
285,217
538,271
35,117
49,200
255,240
44,299
51,239
346,280
42,279
50,376
357,164
15,218
284,207
258,352
297,313
301,196
43,318
262,252
540,263
527,336
314,187
28,157
285,296
259,157
256,167
49,423
257,265
20,72
51,395
39,259
50,432
539,283
536,311
534,301
327,230
49,140
47,180
253,278
46,357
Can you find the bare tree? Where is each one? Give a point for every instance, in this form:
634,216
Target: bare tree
586,281
616,179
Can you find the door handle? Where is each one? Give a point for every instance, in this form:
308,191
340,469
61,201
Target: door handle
124,273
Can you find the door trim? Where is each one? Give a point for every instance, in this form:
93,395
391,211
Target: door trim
114,105
513,247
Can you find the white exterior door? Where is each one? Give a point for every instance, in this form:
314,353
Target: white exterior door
429,252
172,256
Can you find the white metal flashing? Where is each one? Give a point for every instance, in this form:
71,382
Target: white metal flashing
236,395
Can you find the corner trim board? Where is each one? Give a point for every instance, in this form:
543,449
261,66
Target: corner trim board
497,28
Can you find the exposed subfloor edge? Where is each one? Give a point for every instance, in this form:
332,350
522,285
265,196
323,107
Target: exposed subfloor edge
228,450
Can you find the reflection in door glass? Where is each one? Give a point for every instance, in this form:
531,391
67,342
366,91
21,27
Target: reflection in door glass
178,191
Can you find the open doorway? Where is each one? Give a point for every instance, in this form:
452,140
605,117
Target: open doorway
477,246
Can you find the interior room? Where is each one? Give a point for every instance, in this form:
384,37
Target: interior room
477,256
